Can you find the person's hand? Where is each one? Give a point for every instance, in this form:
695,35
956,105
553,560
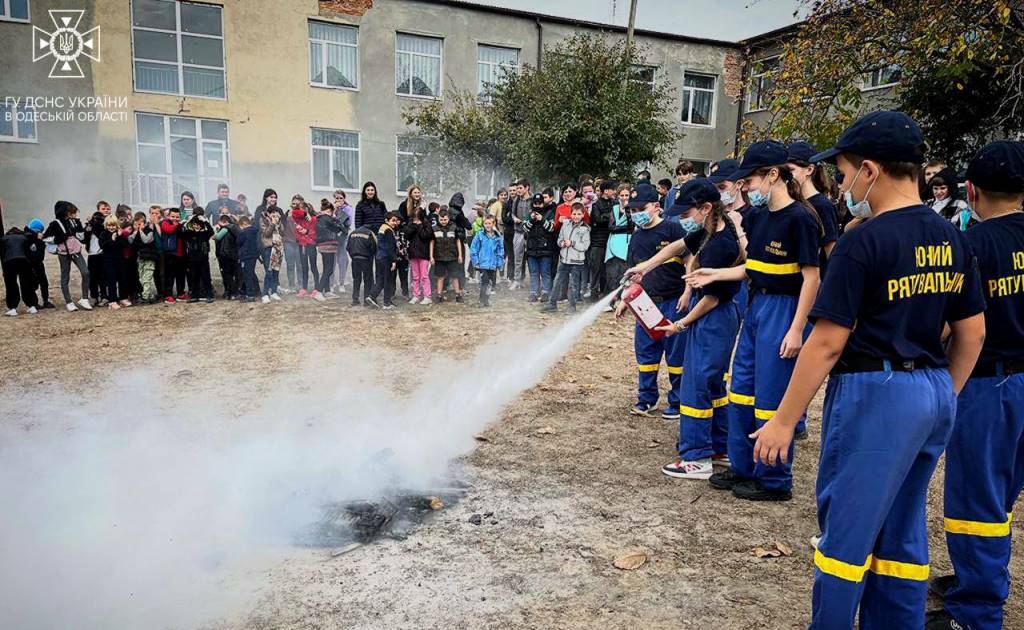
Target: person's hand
671,328
620,309
683,305
394,266
431,261
791,344
772,443
701,278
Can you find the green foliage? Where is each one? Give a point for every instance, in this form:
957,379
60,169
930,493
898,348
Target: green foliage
961,65
578,113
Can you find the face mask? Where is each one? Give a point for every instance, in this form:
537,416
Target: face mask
758,198
690,225
728,198
641,218
860,209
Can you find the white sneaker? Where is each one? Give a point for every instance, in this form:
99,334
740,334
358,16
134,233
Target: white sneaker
329,295
319,297
71,307
340,290
12,313
265,299
85,304
414,300
275,297
426,301
682,469
815,540
32,310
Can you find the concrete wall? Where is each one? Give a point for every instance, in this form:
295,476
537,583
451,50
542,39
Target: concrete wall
270,105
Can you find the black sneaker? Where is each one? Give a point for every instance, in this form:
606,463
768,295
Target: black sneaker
193,300
48,305
753,490
355,302
571,309
800,435
533,298
642,409
544,297
941,585
726,480
548,308
371,302
942,620
458,298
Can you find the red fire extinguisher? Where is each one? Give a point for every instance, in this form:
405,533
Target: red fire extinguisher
644,309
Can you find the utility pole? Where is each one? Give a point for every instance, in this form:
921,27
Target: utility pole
629,38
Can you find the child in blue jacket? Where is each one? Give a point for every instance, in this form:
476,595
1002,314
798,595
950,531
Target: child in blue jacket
487,255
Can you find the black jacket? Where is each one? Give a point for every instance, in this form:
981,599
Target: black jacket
227,247
362,243
329,229
458,217
197,234
61,229
370,213
146,251
539,240
600,221
16,246
387,245
419,237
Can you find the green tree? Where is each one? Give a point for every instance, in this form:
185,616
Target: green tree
580,112
960,66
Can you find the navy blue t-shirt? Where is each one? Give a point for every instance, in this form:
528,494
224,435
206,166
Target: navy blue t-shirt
998,245
778,244
666,280
829,224
719,251
895,281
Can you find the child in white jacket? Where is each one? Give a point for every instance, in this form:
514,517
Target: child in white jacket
573,243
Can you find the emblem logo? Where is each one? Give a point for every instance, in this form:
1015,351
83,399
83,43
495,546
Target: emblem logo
66,44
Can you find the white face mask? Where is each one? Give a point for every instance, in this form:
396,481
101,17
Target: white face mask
862,208
728,198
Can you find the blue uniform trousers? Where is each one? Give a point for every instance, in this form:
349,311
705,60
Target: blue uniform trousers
882,434
984,476
703,421
759,379
648,359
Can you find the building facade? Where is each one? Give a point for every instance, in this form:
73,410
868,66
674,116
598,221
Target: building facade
302,96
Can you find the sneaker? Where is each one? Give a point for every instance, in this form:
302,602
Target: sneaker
71,307
544,297
458,298
12,313
586,295
183,297
548,308
801,435
125,303
48,305
641,409
941,620
265,299
571,309
754,490
682,469
193,300
319,297
274,296
608,309
169,300
208,300
388,307
670,413
32,310
533,298
340,290
720,459
85,304
301,293
816,539
515,286
114,306
330,295
356,302
372,302
415,300
725,480
941,585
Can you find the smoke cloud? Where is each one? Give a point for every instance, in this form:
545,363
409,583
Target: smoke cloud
148,505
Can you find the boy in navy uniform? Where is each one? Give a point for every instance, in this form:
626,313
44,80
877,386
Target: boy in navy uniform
664,284
985,455
893,284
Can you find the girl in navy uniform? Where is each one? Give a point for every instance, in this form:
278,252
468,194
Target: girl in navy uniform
985,455
782,265
814,184
735,201
664,284
892,285
711,322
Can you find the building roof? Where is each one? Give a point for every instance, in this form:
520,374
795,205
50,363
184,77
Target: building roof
556,19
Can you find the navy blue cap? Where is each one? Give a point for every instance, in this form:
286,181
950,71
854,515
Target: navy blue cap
642,195
723,170
694,193
537,200
998,167
886,136
761,155
801,151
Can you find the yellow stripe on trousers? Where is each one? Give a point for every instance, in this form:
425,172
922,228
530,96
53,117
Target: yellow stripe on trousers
979,528
740,399
675,370
855,572
651,367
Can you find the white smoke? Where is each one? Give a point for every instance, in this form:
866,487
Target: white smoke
146,505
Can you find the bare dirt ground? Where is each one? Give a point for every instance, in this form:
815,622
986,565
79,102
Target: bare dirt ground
563,504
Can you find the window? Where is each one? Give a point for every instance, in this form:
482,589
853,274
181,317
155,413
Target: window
762,78
492,64
700,167
418,66
882,77
698,98
333,55
17,121
335,159
14,10
645,75
487,182
178,154
413,166
178,48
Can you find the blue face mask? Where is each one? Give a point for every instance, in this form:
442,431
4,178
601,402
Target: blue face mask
758,198
642,218
690,225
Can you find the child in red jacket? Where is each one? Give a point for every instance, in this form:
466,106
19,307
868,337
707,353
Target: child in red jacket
305,236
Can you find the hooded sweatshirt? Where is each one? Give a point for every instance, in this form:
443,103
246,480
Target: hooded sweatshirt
304,227
458,217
